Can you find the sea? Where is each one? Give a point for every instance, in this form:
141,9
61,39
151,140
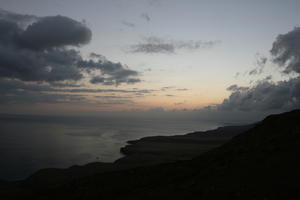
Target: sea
29,143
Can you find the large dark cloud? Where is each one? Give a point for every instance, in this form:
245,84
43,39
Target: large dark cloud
21,20
41,51
286,51
153,44
49,66
57,31
266,95
284,95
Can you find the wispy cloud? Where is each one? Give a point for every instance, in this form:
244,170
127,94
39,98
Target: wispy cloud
260,62
146,17
128,24
152,45
19,92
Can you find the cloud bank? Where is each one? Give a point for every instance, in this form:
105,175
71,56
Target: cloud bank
266,95
286,51
47,50
15,91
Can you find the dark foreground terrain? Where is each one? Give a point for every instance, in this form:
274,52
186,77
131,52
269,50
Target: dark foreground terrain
260,162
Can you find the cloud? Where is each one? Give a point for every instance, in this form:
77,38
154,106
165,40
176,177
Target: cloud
112,73
42,51
21,20
18,92
49,66
87,90
167,88
151,45
115,102
128,24
146,17
260,63
97,79
10,85
111,97
15,91
267,95
284,95
182,89
56,31
235,88
286,51
97,56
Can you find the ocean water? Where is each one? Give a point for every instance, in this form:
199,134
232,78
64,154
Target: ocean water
29,143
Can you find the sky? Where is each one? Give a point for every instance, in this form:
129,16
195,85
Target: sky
114,55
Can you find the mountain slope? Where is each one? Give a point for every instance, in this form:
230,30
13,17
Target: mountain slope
262,163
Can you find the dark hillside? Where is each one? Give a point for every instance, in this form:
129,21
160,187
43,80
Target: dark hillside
261,163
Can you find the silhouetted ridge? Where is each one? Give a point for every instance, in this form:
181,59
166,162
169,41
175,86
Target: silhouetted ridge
261,163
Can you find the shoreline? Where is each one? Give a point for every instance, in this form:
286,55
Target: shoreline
145,151
240,166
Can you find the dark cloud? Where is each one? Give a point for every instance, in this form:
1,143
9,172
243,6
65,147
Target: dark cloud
115,102
264,96
128,24
18,92
57,31
133,80
235,88
115,73
24,97
111,97
86,90
9,85
15,91
97,79
161,45
146,17
41,52
50,66
286,51
21,20
97,56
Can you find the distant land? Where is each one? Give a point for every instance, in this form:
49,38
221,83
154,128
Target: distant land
258,161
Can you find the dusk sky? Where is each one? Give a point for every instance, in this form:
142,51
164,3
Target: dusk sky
114,55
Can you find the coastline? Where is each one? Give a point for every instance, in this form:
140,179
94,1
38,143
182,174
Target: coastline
146,151
254,163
